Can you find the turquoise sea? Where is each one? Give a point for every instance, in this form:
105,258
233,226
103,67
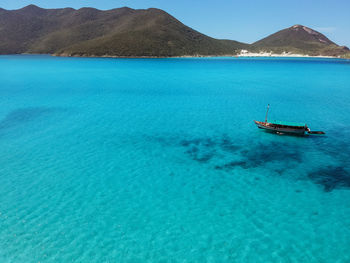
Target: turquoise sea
158,160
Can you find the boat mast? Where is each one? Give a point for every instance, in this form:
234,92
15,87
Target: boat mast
267,111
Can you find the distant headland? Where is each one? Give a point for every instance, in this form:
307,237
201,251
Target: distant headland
126,32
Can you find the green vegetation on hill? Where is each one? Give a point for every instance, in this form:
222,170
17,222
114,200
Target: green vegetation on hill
92,32
127,32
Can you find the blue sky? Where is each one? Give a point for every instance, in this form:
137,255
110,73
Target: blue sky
242,20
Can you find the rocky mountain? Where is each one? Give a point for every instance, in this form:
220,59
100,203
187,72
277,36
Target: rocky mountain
299,39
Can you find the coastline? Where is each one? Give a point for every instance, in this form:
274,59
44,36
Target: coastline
241,55
247,55
287,55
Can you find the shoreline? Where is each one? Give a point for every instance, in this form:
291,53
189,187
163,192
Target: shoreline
245,55
284,56
248,55
287,55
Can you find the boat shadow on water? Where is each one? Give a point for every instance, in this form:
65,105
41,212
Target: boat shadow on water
311,134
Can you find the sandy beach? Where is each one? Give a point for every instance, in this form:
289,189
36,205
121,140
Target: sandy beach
245,53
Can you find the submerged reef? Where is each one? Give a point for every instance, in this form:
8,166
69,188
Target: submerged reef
23,115
227,154
331,177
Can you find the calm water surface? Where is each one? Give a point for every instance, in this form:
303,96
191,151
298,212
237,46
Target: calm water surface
158,160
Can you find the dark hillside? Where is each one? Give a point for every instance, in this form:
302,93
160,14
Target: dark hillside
91,32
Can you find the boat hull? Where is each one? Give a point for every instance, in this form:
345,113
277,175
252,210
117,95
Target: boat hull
276,128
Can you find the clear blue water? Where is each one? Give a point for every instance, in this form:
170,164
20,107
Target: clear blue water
158,160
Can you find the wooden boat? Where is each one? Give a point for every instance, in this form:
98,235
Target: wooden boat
285,127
